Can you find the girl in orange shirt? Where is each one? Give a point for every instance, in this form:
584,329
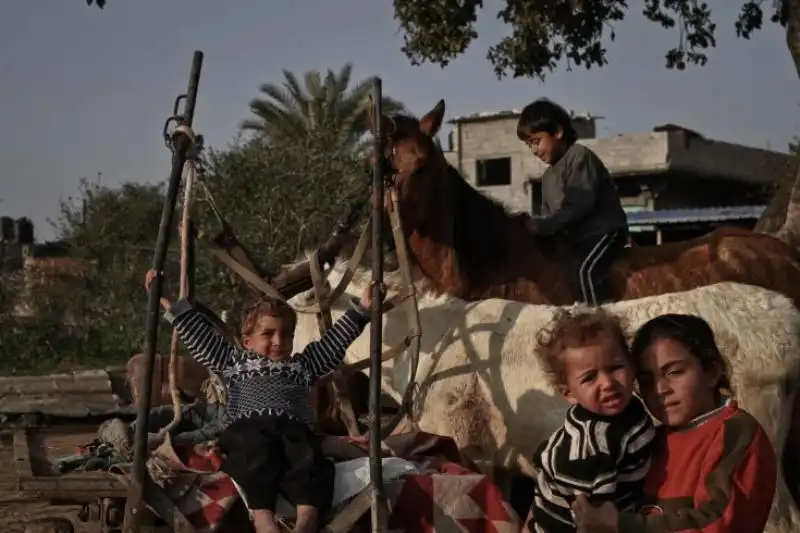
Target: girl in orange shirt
713,469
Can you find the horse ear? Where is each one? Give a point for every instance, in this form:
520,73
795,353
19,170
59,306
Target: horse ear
430,123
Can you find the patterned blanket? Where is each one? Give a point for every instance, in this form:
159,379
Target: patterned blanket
447,495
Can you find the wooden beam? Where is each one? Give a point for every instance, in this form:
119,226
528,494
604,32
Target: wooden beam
350,513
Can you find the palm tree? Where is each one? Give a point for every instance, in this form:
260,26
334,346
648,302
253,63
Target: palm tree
331,107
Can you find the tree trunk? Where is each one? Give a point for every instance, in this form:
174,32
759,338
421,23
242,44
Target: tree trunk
790,232
792,10
774,216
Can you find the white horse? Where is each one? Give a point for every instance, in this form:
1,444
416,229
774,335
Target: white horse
481,382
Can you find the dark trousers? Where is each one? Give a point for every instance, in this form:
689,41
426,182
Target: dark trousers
592,258
268,455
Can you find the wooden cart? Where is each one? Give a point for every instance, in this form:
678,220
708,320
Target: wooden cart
45,418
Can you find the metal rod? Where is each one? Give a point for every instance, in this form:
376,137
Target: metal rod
134,506
192,263
376,326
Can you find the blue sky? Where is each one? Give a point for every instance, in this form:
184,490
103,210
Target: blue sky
86,91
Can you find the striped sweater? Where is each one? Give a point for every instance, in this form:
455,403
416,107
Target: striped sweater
604,457
256,385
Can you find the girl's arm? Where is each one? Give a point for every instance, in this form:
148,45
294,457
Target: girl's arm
737,493
201,338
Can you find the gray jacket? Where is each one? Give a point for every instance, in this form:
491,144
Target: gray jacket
579,199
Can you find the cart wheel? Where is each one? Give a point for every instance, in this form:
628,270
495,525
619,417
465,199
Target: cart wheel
49,525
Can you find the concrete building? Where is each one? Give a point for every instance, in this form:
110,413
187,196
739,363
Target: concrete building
657,172
27,267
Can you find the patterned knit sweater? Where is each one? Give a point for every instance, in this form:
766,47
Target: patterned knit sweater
256,385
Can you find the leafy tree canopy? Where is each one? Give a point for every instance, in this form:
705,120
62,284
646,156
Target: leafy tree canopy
281,199
301,111
546,33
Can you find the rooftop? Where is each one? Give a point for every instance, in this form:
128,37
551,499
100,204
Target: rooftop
511,113
677,150
701,214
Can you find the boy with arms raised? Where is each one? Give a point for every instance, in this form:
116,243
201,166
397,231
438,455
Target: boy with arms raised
266,439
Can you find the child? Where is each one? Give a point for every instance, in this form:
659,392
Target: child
266,436
579,200
603,449
713,466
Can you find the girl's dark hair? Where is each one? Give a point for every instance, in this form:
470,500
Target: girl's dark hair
692,332
544,115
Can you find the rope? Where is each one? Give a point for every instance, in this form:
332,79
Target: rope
412,315
189,178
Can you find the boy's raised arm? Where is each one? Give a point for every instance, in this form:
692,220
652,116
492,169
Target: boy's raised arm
207,346
324,355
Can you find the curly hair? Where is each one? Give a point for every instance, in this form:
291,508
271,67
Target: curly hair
576,329
266,306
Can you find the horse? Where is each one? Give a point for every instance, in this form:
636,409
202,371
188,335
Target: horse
470,247
481,383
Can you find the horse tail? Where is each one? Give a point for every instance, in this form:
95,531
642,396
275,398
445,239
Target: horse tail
790,231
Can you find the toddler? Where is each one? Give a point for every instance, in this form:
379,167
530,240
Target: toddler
603,449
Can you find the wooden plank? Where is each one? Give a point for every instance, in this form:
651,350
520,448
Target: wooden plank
65,406
351,513
22,455
162,506
90,381
74,487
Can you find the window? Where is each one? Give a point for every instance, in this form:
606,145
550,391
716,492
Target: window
535,196
493,172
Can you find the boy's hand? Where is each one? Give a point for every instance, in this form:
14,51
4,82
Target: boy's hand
366,298
148,282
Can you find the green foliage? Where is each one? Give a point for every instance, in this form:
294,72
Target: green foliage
286,197
281,199
291,111
545,33
88,309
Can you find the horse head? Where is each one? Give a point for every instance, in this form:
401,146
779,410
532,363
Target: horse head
414,163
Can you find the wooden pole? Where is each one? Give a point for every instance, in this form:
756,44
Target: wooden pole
134,505
376,326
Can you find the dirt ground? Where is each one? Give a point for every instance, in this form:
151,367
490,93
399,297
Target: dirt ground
14,513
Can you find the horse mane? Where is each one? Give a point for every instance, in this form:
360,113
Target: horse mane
481,230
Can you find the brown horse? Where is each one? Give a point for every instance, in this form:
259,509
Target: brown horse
470,247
